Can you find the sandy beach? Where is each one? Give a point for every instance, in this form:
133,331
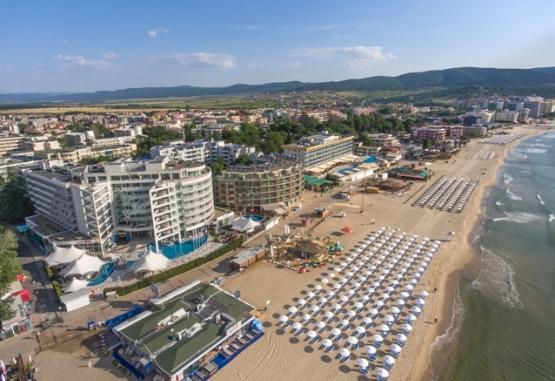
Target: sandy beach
279,355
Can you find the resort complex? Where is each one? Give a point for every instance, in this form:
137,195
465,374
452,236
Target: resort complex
321,151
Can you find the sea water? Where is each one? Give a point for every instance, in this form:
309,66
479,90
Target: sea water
503,325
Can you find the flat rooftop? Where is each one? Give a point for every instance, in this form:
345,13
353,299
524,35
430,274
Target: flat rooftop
156,331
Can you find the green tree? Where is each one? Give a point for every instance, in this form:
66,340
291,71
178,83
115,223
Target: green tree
9,268
243,160
217,167
14,203
155,136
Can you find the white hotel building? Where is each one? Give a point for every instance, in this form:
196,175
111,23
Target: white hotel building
161,199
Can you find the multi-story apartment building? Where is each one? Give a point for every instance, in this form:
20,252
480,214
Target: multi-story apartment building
319,150
203,151
432,133
70,206
261,186
506,116
10,144
78,154
160,199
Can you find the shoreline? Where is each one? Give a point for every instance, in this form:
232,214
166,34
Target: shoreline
462,261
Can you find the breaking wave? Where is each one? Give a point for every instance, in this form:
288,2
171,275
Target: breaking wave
512,195
518,217
540,199
497,279
507,179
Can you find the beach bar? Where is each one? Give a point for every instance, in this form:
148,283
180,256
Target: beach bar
187,334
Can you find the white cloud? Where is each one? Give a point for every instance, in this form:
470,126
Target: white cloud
80,61
357,55
153,33
109,55
201,59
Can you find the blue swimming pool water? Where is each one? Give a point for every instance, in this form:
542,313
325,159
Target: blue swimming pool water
345,171
178,250
255,217
370,159
105,271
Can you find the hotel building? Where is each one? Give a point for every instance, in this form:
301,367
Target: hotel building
320,150
261,186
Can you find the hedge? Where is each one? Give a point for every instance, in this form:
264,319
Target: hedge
183,268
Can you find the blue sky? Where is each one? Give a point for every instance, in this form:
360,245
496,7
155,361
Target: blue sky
97,45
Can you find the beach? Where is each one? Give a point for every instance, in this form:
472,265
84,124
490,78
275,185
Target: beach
277,356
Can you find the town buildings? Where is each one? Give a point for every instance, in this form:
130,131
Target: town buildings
320,150
203,151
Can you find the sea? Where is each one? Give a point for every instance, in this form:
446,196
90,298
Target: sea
503,323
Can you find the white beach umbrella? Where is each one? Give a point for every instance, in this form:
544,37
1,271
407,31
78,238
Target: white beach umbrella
409,287
335,332
401,339
344,353
328,315
360,331
400,302
323,300
283,319
301,302
416,310
330,294
307,317
370,350
395,350
363,364
388,361
344,323
293,310
352,341
374,312
336,307
381,374
423,294
344,299
406,328
411,318
389,319
420,302
327,344
317,288
358,306
310,295
395,310
351,314
377,339
311,334
296,327
366,321
380,304
383,328
351,292
315,310
320,326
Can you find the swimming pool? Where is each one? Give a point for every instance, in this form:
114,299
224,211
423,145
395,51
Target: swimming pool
371,159
178,250
105,271
255,217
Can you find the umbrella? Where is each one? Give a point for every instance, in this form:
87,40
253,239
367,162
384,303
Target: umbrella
395,349
409,287
325,281
389,319
320,325
401,339
292,310
301,302
406,328
307,317
411,318
330,294
328,315
353,341
388,361
335,332
420,302
363,364
416,310
381,374
423,294
366,321
315,309
383,328
336,307
365,298
344,323
395,311
404,294
400,302
377,339
379,304
297,326
283,319
373,312
351,292
323,300
360,331
344,353
344,298
351,314
370,350
327,344
317,288
310,295
311,335
359,306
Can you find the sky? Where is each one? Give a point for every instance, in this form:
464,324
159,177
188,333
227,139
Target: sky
74,46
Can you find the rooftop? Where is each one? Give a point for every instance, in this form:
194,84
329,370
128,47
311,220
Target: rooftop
183,325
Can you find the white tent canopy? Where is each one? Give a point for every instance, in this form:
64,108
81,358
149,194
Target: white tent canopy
75,285
64,255
86,264
244,224
151,262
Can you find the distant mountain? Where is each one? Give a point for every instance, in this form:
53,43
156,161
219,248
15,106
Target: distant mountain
539,81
